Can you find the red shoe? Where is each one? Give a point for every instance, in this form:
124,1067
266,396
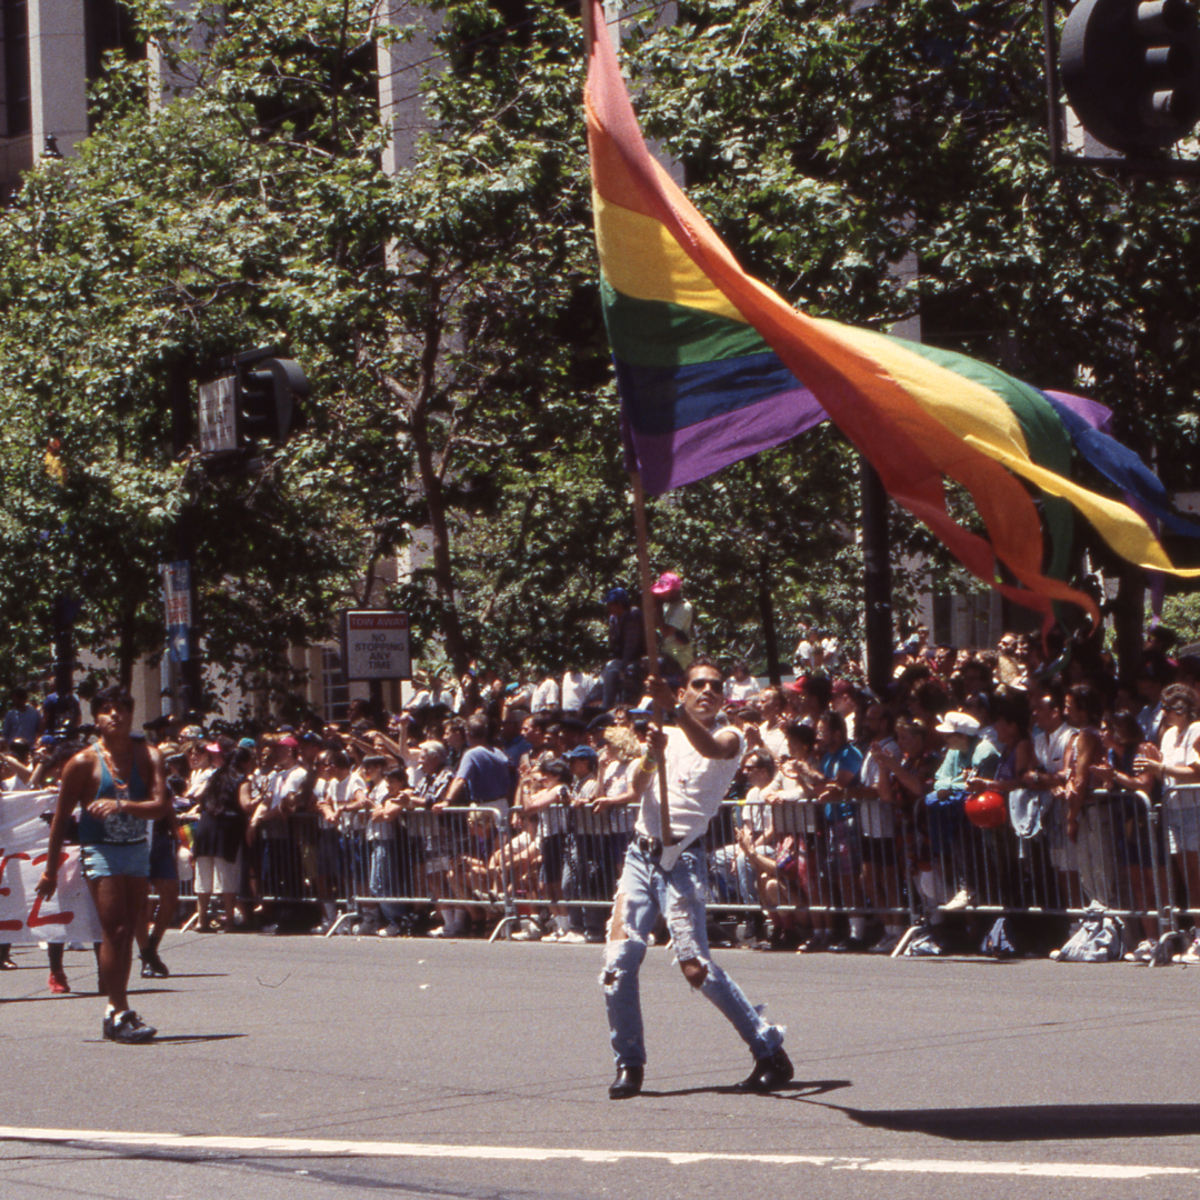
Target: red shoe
58,983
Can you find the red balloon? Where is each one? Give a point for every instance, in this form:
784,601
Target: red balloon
988,810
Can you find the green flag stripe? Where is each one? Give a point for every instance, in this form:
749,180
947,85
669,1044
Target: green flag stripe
656,333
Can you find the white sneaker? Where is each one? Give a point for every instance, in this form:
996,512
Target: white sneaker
960,900
1192,953
1144,952
572,938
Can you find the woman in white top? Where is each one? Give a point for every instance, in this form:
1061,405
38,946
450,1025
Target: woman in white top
1179,771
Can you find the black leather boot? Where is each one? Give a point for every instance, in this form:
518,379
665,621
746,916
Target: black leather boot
627,1083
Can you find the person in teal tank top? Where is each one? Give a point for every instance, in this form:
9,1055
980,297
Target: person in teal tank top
118,786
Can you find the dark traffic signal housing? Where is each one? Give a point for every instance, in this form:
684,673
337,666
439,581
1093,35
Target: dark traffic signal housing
266,392
1131,71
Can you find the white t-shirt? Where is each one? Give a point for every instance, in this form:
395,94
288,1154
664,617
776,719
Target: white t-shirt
576,688
1178,750
775,740
339,793
615,780
1051,748
380,831
695,788
545,696
740,692
878,818
281,785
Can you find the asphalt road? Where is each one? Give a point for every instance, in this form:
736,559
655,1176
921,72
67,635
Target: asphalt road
347,1067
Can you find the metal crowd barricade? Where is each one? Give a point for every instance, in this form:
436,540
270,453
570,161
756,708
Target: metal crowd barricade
1030,865
858,858
473,859
823,859
1180,837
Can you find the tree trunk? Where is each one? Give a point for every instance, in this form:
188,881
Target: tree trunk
1129,609
766,609
443,574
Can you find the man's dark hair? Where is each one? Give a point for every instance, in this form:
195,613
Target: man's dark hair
701,661
374,762
835,721
820,688
399,774
805,734
113,696
1090,701
479,728
339,760
1012,705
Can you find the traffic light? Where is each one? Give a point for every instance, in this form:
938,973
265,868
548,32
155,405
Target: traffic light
265,398
1132,71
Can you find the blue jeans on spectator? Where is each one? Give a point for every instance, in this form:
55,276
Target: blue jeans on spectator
618,679
645,891
385,878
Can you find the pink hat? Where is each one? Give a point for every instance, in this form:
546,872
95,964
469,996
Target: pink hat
668,584
288,741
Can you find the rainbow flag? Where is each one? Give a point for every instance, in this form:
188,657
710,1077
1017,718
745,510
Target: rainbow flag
712,366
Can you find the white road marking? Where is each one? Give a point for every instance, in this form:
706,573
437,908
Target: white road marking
178,1142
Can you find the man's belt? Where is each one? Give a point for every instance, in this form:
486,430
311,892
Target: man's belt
652,848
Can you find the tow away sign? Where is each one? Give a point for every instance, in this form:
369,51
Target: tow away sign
375,645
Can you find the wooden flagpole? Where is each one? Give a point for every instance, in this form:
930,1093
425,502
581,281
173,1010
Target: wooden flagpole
643,555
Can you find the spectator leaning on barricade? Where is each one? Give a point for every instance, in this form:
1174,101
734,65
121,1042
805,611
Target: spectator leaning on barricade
1124,746
879,825
340,791
949,883
841,765
1178,770
1086,831
546,795
483,779
221,813
282,796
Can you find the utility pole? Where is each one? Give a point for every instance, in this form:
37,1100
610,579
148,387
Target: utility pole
877,579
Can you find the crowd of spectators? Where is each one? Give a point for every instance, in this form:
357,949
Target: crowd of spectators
852,813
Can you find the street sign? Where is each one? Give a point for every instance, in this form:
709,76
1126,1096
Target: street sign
218,415
375,645
177,595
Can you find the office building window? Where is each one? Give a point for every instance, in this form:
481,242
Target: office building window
14,30
335,691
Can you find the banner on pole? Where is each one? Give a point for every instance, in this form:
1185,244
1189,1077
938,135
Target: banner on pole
177,596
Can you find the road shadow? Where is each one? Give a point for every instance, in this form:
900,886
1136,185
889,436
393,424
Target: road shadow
179,1038
1036,1123
798,1089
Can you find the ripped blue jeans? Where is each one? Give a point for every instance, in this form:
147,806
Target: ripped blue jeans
645,891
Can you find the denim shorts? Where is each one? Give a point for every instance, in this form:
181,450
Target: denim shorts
103,859
1183,826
